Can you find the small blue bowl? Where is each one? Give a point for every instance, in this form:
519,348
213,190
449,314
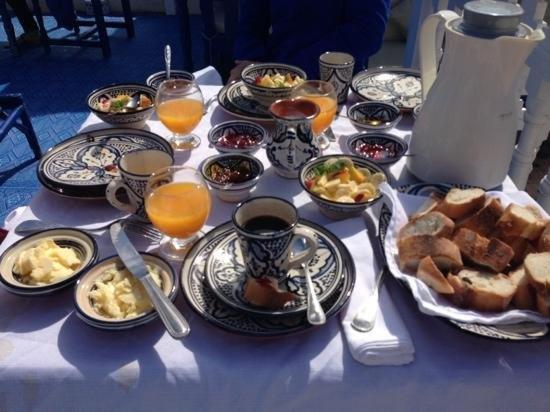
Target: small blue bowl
157,78
374,115
391,147
242,127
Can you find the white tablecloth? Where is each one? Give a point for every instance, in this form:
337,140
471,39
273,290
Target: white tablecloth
51,361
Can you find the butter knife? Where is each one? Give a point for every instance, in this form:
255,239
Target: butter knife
365,318
173,320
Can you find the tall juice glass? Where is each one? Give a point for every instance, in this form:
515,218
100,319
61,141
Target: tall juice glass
178,203
324,95
180,106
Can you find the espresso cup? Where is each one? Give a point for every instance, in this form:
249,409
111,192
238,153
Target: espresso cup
267,229
337,69
127,191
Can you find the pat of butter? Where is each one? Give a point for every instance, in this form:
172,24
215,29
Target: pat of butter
46,263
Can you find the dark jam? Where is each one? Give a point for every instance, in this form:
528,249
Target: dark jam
239,173
237,141
375,151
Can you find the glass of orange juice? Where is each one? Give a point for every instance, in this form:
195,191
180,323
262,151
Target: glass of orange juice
324,95
177,202
180,107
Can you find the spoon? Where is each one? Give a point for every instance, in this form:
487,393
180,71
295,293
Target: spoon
315,313
133,103
167,59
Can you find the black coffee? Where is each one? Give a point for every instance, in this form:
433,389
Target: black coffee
265,224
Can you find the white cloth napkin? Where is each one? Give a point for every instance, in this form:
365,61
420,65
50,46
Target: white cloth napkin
389,342
208,76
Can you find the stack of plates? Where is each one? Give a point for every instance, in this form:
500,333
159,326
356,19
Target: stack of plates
236,99
213,277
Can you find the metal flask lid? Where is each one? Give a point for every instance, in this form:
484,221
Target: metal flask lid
490,18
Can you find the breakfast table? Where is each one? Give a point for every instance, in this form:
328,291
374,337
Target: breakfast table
51,360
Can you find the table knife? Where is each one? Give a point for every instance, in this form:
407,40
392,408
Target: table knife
173,320
365,318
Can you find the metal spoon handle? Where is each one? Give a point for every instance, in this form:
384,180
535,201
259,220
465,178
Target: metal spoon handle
315,313
365,318
167,59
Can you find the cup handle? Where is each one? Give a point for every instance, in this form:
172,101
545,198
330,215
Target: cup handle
110,193
303,256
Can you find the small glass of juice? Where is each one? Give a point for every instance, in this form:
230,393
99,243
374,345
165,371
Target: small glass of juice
178,203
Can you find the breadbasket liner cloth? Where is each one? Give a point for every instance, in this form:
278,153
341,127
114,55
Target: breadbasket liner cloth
429,301
389,342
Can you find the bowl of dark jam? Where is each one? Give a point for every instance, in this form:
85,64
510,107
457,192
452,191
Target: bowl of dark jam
237,136
232,176
381,148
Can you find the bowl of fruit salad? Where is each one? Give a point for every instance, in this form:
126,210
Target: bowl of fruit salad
268,82
237,136
342,186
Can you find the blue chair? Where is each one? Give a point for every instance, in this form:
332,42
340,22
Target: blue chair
14,114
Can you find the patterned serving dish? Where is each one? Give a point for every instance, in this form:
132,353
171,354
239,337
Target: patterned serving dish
268,95
374,115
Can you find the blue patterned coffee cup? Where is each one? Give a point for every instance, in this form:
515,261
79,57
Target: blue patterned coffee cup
337,69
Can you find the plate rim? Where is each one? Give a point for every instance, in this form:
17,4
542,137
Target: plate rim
227,108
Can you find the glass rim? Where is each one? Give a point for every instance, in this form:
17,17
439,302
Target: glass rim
321,93
168,169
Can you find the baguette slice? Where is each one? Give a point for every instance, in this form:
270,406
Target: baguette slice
483,291
428,206
524,298
489,253
444,253
459,203
520,221
485,219
519,245
543,304
432,223
543,244
537,266
429,274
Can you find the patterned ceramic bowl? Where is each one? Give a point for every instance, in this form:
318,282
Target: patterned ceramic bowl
230,163
374,115
133,118
157,78
85,306
381,148
224,137
332,209
267,95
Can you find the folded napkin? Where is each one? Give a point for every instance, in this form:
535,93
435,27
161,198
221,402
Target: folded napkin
389,342
208,76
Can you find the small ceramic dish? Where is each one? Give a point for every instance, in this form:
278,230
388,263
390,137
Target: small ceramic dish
374,115
84,304
225,137
381,148
132,118
83,244
333,209
267,95
157,78
232,192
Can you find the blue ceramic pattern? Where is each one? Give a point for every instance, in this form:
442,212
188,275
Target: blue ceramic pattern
156,79
393,143
257,132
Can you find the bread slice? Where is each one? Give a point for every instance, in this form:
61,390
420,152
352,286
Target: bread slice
543,304
429,274
537,266
459,203
543,244
485,219
444,253
432,223
524,298
489,253
519,245
520,221
480,290
428,206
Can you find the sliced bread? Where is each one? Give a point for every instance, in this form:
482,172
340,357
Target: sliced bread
444,253
429,274
537,266
432,223
480,290
490,253
520,221
519,245
543,304
428,206
543,244
459,203
524,298
485,219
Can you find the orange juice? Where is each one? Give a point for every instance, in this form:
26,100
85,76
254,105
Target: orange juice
180,116
327,106
178,209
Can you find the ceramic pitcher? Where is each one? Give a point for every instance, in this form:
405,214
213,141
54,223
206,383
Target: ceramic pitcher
292,143
466,130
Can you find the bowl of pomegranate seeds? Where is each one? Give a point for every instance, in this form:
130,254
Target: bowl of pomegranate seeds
237,136
381,148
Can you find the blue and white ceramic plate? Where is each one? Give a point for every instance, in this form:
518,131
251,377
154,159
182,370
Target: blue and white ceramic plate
204,302
399,86
83,165
236,99
226,276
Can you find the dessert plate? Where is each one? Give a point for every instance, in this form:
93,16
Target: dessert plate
226,275
204,302
235,99
83,165
397,85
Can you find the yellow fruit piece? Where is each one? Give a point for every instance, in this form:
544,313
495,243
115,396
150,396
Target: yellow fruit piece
356,175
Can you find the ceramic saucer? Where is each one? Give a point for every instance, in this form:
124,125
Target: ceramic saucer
226,276
236,99
204,302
